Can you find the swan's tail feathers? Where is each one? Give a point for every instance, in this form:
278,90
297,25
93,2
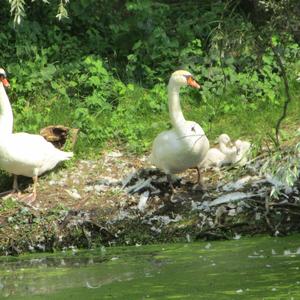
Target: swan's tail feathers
66,155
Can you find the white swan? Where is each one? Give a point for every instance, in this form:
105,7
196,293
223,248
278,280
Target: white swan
185,145
22,153
222,156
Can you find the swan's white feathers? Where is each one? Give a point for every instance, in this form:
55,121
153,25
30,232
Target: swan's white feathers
23,153
181,73
29,154
185,145
176,150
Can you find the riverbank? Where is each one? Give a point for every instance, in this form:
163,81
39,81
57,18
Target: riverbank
121,200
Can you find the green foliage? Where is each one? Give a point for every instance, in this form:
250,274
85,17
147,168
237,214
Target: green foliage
18,11
138,115
284,166
104,69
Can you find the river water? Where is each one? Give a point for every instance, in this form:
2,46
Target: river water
248,268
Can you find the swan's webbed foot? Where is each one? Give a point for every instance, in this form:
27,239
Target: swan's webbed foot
7,194
28,198
17,195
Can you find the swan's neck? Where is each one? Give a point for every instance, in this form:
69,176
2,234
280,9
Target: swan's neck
6,114
176,115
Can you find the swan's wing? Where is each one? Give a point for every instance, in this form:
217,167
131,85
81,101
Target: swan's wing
165,144
31,149
29,154
165,149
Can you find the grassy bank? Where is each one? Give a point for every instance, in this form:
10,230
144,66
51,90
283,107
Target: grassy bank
87,206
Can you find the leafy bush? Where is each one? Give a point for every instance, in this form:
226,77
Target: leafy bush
105,69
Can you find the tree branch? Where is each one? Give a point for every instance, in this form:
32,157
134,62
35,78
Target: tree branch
287,93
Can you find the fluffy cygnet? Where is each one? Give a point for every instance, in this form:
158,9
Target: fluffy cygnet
243,149
222,156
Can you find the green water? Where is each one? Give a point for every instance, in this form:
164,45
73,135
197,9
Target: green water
250,268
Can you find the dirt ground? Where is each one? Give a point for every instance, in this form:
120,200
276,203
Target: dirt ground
120,199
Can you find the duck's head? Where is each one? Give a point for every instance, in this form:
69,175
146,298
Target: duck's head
183,78
224,139
3,78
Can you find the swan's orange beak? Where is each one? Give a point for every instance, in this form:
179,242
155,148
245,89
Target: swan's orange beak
193,83
5,82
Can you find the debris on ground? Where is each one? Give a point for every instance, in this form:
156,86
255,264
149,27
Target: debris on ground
120,200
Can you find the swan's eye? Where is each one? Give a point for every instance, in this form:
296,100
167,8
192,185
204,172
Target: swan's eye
193,129
187,77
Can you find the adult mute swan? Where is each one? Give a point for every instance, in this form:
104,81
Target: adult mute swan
185,145
22,153
218,157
